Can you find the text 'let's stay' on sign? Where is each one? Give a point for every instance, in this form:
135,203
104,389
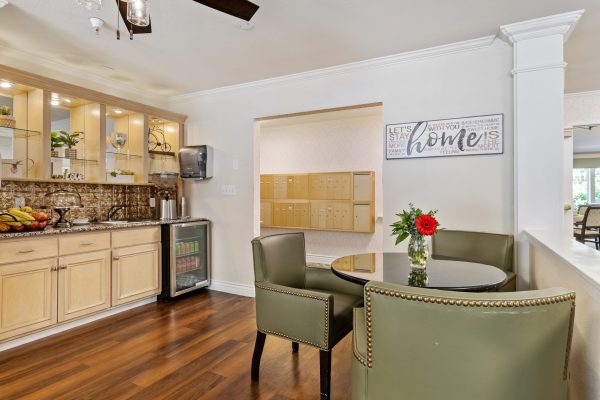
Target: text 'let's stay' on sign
446,137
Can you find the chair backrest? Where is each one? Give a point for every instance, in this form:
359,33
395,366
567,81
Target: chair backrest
480,247
591,218
280,259
430,344
582,209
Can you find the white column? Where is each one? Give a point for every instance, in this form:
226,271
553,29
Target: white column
538,72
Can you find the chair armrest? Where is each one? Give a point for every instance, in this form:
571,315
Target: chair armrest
359,336
325,279
299,315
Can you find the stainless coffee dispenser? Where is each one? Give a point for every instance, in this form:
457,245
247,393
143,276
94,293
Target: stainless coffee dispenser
166,186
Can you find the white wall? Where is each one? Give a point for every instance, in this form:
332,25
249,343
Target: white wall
582,108
475,192
346,142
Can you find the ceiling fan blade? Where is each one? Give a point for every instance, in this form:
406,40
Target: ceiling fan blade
136,29
242,9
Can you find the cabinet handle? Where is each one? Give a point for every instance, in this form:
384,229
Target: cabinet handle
54,268
25,251
62,267
116,257
86,244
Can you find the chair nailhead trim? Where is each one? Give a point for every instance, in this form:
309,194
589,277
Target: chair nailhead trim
465,303
294,293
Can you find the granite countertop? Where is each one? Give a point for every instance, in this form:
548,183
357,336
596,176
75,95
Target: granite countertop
93,227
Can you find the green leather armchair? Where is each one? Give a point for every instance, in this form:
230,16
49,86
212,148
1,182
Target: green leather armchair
304,305
424,344
479,247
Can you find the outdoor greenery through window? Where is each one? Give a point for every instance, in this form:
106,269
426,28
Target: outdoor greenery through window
586,186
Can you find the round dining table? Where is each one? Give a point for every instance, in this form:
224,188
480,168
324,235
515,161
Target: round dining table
442,274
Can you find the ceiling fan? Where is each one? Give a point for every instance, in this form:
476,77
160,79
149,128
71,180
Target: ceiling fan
242,9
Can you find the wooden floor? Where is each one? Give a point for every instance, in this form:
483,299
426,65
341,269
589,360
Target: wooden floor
198,347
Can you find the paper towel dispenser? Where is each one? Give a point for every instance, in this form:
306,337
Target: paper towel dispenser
196,162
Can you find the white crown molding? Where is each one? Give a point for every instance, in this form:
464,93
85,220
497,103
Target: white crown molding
560,24
467,45
576,95
561,65
30,62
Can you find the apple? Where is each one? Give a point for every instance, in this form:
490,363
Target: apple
33,226
39,216
17,228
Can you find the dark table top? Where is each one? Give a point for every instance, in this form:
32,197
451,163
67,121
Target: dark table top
442,274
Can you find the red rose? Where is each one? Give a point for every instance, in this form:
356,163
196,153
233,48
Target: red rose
426,224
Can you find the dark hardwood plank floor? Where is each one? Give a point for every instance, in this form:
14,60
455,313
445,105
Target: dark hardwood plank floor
198,347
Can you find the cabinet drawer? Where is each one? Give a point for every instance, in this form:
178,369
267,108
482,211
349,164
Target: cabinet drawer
83,243
15,250
132,237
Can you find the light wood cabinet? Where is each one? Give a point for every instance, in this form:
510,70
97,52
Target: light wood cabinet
83,284
342,201
135,273
27,296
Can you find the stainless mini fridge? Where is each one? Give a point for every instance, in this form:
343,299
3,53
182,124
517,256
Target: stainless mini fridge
185,257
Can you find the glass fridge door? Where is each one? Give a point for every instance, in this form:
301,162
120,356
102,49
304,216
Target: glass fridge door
189,256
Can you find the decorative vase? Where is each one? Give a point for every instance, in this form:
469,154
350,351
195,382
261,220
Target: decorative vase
418,253
71,153
53,153
7,121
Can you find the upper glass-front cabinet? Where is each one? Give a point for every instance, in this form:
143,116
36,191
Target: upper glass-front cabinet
21,126
61,131
74,138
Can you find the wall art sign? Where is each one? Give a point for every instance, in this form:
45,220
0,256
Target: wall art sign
467,136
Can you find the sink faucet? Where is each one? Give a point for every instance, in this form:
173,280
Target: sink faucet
112,211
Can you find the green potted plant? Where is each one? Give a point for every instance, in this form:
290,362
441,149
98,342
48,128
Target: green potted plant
6,118
56,142
120,176
70,140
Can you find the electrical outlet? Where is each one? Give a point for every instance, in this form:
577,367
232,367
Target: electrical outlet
228,190
19,202
152,202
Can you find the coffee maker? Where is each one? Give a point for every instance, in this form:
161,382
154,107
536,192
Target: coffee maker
166,187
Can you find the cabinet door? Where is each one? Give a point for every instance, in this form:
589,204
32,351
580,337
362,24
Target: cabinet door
135,273
343,187
287,214
342,218
299,187
363,187
318,214
363,221
266,186
279,187
266,213
276,214
83,284
301,215
317,186
27,296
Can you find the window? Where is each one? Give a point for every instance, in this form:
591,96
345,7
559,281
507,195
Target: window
586,186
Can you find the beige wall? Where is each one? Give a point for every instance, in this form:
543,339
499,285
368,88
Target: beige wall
337,141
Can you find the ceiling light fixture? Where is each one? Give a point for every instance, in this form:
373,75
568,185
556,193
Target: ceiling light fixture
5,85
96,24
92,5
66,100
117,111
138,12
54,102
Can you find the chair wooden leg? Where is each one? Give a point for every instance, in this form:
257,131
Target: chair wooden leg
295,347
258,349
325,363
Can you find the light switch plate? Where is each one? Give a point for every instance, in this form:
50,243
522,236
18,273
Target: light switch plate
228,190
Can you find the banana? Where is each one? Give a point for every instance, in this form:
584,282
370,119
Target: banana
9,220
26,209
23,217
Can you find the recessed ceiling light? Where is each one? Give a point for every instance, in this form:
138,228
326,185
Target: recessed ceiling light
245,25
54,102
117,111
66,100
5,85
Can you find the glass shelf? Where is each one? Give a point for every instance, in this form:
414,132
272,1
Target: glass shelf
161,153
76,160
123,156
18,133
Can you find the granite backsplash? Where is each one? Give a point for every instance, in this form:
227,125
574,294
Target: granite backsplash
97,199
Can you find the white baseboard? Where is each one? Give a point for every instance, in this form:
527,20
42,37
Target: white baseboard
73,324
233,288
316,258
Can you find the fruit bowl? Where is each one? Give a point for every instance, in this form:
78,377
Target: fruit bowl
21,220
